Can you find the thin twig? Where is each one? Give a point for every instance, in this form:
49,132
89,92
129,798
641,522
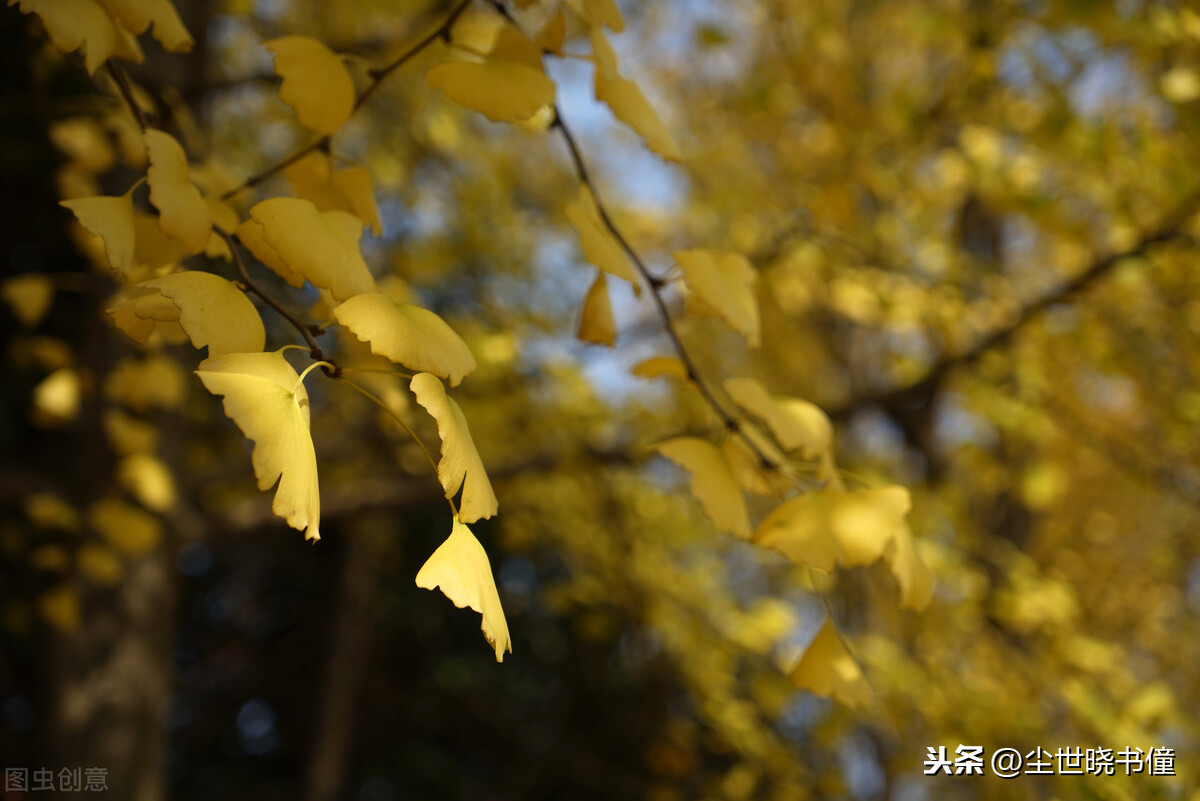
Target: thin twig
377,78
122,81
305,331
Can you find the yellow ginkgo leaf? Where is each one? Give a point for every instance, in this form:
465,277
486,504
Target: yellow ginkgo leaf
137,15
747,466
147,479
797,424
657,366
72,24
829,670
267,400
213,312
57,398
154,249
127,434
184,214
820,529
725,284
302,244
315,82
553,33
712,482
601,12
29,295
627,102
914,576
502,91
126,527
142,384
111,219
354,184
408,335
460,465
596,316
600,247
460,567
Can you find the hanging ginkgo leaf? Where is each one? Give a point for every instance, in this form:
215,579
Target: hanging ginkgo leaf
267,400
596,323
828,669
627,101
302,244
914,576
600,247
212,312
658,366
111,219
29,295
797,424
460,465
724,282
315,82
460,567
138,15
712,482
821,529
72,24
502,91
184,214
408,335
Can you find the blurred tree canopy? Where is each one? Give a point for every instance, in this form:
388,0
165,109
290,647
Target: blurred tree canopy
835,367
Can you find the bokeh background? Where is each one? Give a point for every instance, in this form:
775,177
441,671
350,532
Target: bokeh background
973,228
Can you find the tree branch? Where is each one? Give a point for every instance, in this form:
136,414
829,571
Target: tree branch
1000,337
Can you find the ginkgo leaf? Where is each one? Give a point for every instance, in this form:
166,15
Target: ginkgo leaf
315,82
657,366
355,185
125,526
712,482
511,44
747,466
914,576
142,384
602,12
460,465
137,16
553,33
596,316
820,529
725,283
212,312
600,247
460,567
72,24
627,102
184,212
148,480
264,396
111,219
302,244
408,335
154,248
797,424
29,295
502,91
57,398
829,670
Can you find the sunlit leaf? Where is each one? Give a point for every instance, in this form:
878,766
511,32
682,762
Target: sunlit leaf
184,214
596,323
600,247
302,244
627,102
724,282
828,669
408,335
72,24
29,296
657,366
147,479
797,424
138,15
820,529
269,403
212,312
460,567
712,482
125,527
111,219
502,91
315,82
460,465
